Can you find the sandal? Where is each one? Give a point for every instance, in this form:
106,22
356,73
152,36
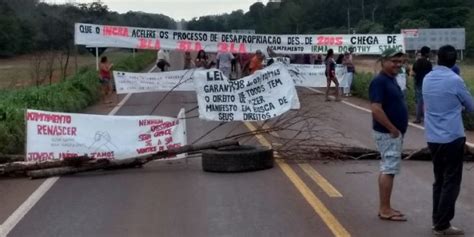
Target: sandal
393,217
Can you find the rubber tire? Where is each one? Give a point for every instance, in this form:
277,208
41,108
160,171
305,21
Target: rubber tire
237,159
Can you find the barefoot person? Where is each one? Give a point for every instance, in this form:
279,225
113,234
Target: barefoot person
331,74
390,122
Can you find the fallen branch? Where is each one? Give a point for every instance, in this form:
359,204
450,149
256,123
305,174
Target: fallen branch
20,168
127,163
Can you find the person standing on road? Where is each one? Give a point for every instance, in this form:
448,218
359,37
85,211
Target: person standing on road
224,63
421,67
402,76
390,122
347,61
331,74
105,77
445,95
163,59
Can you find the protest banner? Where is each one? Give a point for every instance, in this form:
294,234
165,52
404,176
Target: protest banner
266,94
150,38
310,75
304,75
53,135
129,82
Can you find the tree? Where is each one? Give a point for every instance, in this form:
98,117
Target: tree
11,29
470,34
412,24
369,27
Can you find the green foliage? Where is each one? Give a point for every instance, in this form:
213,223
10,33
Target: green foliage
412,24
72,95
361,84
30,25
369,27
470,34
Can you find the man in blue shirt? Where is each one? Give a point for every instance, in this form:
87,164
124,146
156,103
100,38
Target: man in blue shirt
390,122
445,95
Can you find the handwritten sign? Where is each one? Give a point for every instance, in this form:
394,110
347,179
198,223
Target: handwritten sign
53,135
129,82
264,95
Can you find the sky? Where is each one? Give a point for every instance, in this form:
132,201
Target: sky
176,9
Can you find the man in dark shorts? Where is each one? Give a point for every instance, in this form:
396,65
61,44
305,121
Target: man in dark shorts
446,96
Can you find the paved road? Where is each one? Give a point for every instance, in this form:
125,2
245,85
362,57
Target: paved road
312,198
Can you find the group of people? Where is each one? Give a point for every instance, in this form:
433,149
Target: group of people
445,97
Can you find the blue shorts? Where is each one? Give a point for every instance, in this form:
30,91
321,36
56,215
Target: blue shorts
390,152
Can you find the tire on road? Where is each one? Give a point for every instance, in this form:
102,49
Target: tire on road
237,159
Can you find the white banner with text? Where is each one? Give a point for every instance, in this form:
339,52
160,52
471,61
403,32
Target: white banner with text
154,39
310,75
266,94
130,82
305,75
54,135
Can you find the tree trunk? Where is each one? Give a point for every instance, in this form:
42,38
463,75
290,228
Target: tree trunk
373,12
127,163
20,168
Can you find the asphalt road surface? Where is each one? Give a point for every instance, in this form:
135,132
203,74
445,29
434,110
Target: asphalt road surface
328,197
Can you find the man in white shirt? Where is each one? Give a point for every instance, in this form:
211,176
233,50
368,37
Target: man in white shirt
224,63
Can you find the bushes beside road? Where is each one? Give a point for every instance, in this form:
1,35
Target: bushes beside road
73,95
361,84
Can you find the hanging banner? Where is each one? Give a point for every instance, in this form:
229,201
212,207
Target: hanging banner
129,82
266,94
53,135
310,75
305,75
149,38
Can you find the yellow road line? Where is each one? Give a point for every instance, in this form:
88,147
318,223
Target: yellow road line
321,181
328,218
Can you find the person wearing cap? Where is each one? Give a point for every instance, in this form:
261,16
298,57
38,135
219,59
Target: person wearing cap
389,123
421,67
445,95
256,62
